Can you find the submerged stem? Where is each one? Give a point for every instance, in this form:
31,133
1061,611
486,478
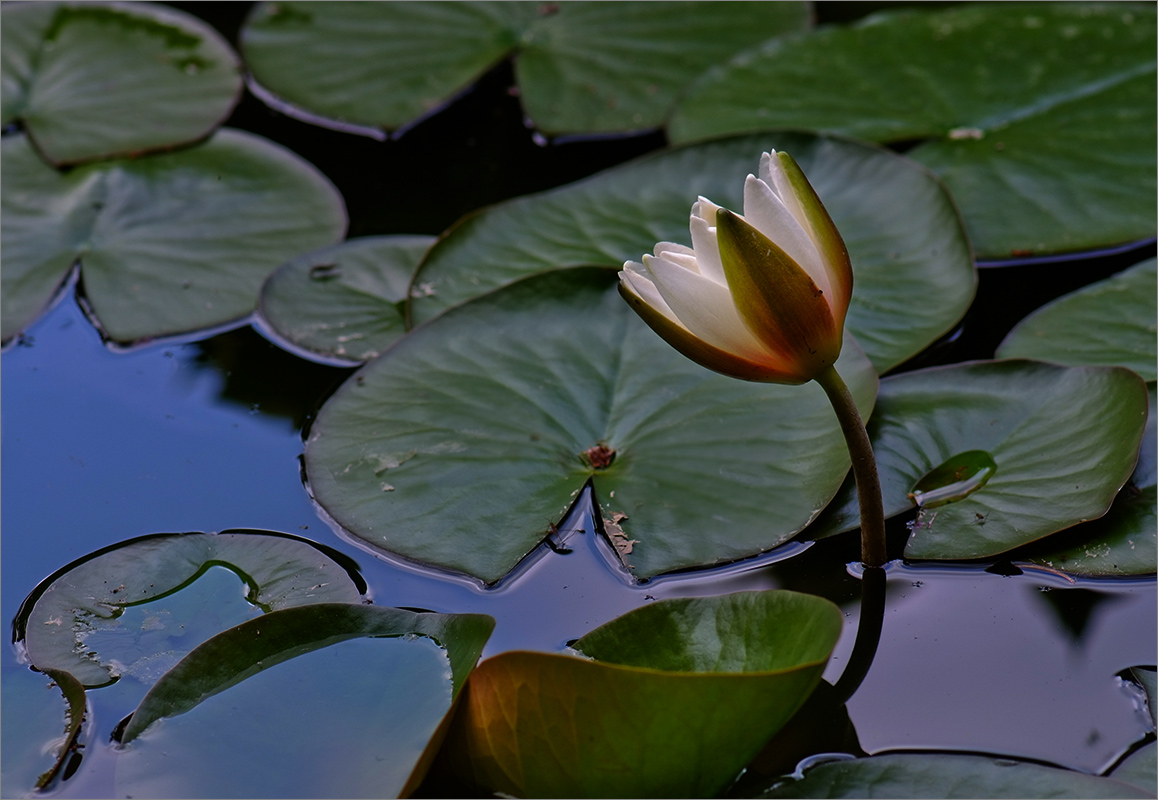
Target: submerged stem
868,633
864,468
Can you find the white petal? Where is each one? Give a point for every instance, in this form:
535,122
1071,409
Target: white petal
707,249
764,211
663,248
778,181
705,209
637,278
688,261
706,309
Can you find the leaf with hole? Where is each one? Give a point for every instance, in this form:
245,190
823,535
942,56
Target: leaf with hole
278,571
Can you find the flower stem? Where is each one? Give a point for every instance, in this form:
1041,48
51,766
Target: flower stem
868,633
864,468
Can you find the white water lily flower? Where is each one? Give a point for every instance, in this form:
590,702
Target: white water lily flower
761,296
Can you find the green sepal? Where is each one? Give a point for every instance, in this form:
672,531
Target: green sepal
778,301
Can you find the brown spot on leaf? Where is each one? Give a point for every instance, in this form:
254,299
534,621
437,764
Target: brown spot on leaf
598,457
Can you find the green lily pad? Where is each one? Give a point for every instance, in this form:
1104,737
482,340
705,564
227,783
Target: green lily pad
914,277
1064,441
1038,117
459,444
1140,768
167,243
581,67
362,687
1125,540
1108,323
37,748
96,80
347,301
1111,322
279,571
681,695
914,775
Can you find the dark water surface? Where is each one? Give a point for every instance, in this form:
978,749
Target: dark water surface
205,435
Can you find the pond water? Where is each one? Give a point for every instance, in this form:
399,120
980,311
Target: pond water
205,434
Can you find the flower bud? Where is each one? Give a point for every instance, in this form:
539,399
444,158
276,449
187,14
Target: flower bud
761,296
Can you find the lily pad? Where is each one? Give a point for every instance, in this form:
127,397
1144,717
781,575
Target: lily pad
96,80
1125,540
582,67
361,686
347,301
914,775
681,695
459,444
1140,768
1111,322
914,277
1039,117
1108,323
1064,440
37,748
279,571
167,243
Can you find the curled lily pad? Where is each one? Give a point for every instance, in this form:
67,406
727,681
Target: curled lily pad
582,67
166,243
364,686
913,775
1140,767
96,80
279,571
37,749
1030,157
680,695
1063,441
914,275
346,301
463,441
1111,322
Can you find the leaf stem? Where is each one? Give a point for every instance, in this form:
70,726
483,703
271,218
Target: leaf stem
864,468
